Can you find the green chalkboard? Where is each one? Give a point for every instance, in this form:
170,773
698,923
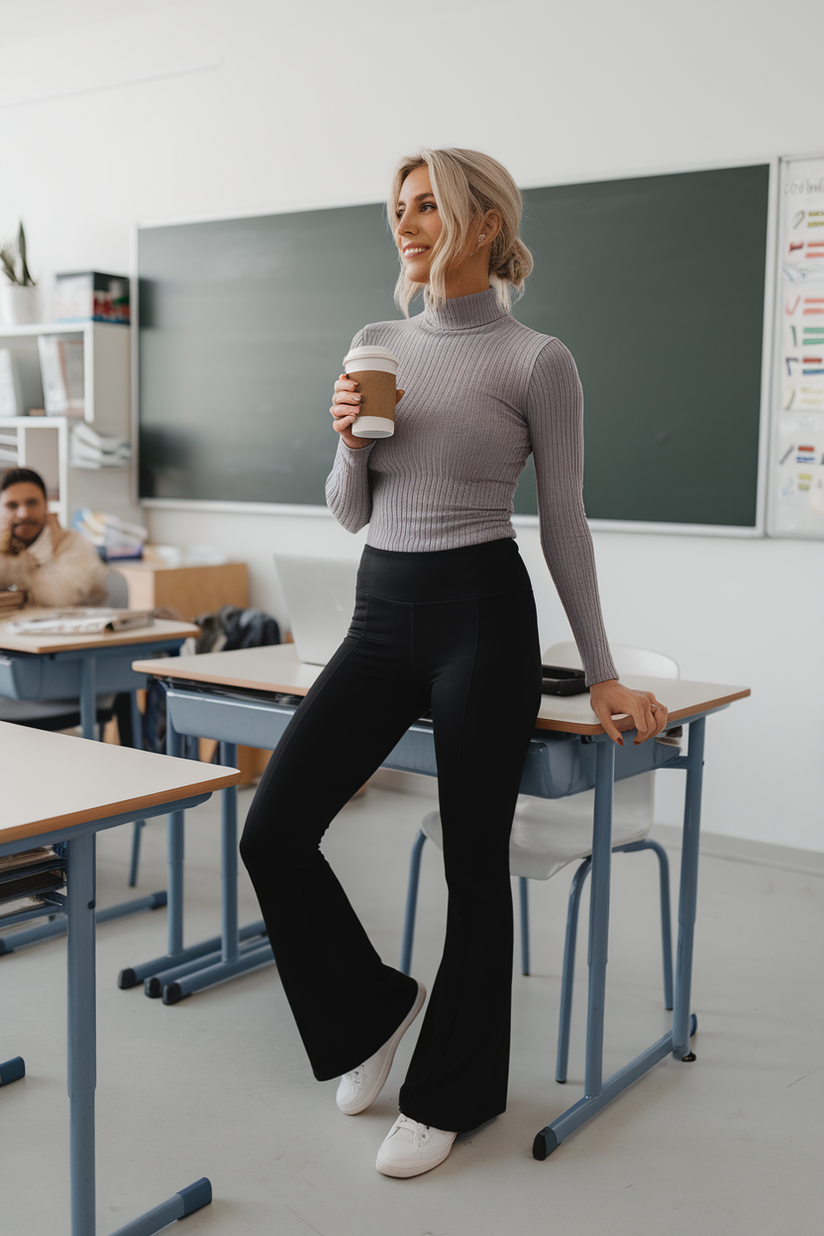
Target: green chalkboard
655,283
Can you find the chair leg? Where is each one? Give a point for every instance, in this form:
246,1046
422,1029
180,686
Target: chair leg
411,904
666,917
523,891
666,912
569,969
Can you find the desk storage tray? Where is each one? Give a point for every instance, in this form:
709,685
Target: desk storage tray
56,676
247,719
556,764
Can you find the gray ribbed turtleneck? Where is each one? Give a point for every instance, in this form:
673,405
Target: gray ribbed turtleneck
482,391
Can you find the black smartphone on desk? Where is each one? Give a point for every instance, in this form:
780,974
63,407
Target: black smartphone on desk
558,680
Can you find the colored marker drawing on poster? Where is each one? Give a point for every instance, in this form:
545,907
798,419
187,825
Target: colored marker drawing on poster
796,496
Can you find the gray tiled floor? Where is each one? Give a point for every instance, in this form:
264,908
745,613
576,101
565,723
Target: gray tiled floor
728,1146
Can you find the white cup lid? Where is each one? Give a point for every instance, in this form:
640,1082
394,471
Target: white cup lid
379,358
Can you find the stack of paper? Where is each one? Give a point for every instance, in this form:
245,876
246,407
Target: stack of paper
90,449
83,621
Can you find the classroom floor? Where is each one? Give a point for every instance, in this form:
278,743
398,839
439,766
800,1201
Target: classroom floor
731,1145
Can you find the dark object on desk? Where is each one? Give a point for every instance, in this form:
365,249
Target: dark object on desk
232,627
558,680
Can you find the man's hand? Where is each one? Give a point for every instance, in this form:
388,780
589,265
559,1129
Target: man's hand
9,544
642,711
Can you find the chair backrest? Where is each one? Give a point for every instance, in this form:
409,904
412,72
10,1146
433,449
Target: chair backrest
628,659
117,590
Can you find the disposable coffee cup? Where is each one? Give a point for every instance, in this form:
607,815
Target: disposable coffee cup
376,372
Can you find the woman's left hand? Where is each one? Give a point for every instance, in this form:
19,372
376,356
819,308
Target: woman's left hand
642,709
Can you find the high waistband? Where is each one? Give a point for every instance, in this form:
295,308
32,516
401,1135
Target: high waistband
445,574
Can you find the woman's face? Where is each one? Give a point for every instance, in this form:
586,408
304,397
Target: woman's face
417,224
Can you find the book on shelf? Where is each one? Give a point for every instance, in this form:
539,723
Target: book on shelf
19,382
88,620
61,369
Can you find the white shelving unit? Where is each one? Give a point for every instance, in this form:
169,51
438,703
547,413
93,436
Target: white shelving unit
42,442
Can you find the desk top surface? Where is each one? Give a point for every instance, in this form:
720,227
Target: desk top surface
54,781
277,669
160,629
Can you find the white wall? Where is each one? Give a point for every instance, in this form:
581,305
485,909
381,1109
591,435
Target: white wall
260,105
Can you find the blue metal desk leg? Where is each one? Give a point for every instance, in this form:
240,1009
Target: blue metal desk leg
82,1046
174,855
599,917
229,924
682,1025
82,1060
185,980
594,1096
138,826
88,696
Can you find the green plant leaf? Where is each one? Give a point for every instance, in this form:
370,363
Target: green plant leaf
26,278
7,258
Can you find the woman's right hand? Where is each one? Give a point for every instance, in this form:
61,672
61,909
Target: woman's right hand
345,408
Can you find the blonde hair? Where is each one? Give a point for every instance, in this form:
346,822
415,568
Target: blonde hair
466,184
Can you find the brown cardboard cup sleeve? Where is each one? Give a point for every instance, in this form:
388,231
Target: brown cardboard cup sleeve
376,372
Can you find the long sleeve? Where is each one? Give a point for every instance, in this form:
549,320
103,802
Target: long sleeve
348,494
555,416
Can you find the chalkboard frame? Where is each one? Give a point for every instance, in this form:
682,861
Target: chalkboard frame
758,527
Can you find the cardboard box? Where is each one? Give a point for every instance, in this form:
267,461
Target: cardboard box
91,296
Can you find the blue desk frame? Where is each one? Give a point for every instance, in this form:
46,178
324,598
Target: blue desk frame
79,673
557,764
82,1042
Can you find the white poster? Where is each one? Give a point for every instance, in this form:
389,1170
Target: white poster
797,449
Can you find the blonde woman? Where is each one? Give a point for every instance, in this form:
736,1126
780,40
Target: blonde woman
444,621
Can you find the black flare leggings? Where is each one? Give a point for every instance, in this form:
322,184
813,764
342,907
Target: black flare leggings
453,631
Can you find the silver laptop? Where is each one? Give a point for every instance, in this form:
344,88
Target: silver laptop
319,594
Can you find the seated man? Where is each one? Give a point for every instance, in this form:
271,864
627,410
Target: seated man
56,566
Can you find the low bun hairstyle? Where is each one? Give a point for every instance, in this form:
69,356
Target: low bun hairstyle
466,184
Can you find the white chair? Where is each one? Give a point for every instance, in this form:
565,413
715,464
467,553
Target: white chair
547,834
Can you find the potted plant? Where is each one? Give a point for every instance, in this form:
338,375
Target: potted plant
19,297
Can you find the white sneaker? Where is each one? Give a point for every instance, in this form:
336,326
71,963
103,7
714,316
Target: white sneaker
409,1148
358,1089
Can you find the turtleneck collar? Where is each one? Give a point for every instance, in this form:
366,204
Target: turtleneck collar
464,312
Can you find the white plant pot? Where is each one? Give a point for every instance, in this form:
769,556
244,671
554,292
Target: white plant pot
18,306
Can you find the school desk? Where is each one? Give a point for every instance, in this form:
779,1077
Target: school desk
93,786
57,667
238,697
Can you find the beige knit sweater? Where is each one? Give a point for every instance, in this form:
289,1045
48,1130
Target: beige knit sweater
66,573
